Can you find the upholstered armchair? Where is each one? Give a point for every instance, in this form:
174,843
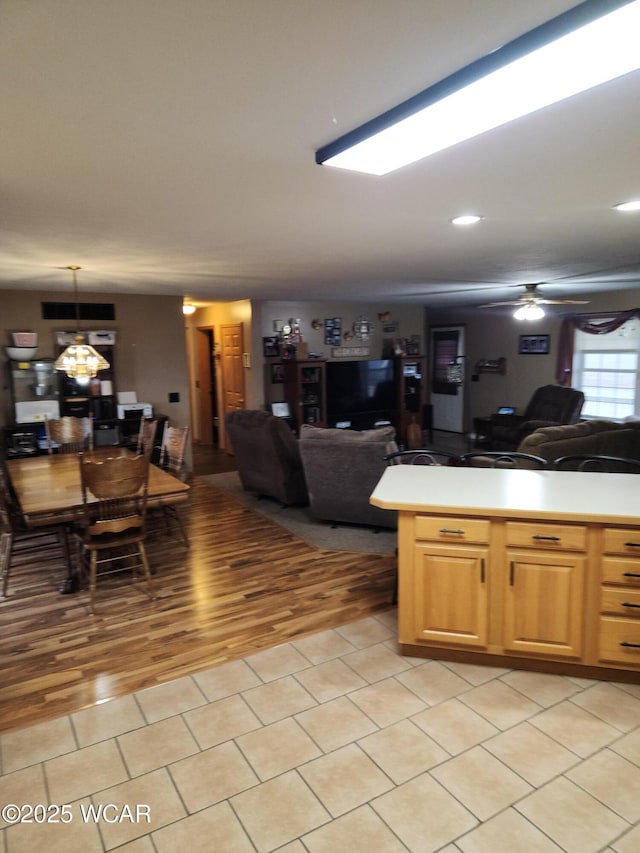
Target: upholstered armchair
551,405
267,456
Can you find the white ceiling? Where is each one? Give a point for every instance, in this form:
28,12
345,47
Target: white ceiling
167,146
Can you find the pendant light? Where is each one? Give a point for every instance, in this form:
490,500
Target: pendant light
79,360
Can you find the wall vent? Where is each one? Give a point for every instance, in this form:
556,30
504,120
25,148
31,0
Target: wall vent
87,310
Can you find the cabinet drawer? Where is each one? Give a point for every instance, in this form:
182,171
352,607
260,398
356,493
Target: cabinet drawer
620,640
617,540
441,529
557,537
620,602
619,570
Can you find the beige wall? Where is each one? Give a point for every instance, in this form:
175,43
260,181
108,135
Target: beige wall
494,333
258,317
150,356
409,321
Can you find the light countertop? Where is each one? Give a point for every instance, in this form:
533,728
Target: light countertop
498,492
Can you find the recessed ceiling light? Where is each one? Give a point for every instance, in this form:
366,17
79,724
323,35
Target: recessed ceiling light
466,219
628,206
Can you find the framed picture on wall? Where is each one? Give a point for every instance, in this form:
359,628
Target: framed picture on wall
332,331
271,347
534,345
277,373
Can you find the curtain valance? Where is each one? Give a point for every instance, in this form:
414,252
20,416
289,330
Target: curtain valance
594,324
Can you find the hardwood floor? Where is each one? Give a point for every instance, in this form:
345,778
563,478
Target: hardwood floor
244,584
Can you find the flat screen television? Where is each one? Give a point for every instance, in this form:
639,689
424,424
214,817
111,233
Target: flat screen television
360,394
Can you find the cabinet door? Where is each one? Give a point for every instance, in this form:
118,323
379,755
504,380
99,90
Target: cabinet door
450,604
544,604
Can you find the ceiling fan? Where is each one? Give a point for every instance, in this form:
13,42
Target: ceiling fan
529,305
532,298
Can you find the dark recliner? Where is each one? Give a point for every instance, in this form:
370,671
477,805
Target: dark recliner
267,456
551,405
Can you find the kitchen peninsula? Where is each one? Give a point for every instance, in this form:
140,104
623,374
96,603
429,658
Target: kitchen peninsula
520,568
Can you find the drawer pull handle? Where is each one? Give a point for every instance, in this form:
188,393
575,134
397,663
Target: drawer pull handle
628,604
446,530
547,538
632,544
631,645
631,574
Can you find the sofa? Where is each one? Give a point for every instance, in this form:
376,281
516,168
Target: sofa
549,405
602,437
267,456
341,468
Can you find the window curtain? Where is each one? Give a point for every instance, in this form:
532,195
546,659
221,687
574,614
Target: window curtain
593,324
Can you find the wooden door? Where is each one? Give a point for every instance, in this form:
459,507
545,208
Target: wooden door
451,594
231,347
447,347
544,604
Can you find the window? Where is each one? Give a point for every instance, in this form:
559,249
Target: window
606,370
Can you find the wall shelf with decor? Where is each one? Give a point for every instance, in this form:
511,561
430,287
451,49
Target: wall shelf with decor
410,391
305,390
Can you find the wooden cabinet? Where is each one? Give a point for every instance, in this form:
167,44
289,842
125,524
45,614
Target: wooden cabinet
451,563
305,390
410,393
619,604
545,563
518,568
450,593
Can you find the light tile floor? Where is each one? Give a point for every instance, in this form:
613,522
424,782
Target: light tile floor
334,742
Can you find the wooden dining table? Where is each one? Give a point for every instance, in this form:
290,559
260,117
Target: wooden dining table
49,490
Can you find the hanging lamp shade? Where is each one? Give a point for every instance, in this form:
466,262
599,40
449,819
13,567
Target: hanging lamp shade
79,360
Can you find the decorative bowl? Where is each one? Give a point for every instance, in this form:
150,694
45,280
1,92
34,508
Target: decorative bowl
21,353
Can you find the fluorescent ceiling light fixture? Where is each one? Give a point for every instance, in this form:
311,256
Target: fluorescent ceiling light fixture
590,44
530,311
466,219
628,206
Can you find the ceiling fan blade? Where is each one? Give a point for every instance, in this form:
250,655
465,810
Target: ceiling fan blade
564,301
502,304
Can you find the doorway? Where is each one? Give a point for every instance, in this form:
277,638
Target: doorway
447,380
205,385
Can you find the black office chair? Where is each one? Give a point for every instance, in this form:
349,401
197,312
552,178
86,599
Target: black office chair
597,462
498,459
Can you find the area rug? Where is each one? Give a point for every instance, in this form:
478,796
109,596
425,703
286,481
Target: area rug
341,537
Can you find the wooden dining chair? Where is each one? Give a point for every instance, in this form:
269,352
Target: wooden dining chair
146,437
172,453
18,540
114,500
69,434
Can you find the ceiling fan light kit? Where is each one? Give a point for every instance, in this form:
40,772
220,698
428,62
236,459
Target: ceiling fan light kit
529,311
584,47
